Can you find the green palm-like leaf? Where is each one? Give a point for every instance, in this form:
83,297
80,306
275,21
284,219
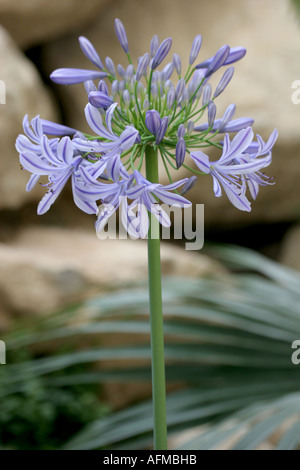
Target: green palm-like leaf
227,340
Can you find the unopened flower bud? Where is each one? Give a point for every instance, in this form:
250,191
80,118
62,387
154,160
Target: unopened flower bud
180,152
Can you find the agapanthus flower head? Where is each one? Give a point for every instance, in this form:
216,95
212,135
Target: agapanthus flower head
136,107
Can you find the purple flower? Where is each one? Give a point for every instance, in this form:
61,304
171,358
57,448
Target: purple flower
121,86
146,104
32,140
89,86
218,60
145,196
113,144
162,130
238,169
114,88
206,94
154,46
226,124
184,100
129,73
71,76
98,99
153,121
170,98
227,76
52,128
112,195
211,113
33,136
180,152
93,190
156,125
180,89
126,98
181,131
161,53
167,72
121,70
110,65
235,54
124,188
90,52
189,185
142,67
102,87
195,48
190,127
177,63
121,35
58,165
144,107
154,90
197,80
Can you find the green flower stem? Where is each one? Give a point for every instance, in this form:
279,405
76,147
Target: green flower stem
156,316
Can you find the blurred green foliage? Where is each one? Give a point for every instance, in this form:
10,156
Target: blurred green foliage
228,346
39,417
296,3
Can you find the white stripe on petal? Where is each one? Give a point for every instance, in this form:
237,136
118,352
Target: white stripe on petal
32,182
238,145
94,120
65,150
109,116
201,160
36,165
48,152
172,199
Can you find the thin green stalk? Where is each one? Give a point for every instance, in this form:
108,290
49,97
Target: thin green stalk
156,316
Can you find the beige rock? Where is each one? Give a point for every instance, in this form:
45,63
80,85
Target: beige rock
22,93
261,87
290,251
44,268
33,21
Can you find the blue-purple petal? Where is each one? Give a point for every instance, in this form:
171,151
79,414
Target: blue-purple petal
121,35
69,76
153,121
90,52
52,128
201,160
161,53
100,99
